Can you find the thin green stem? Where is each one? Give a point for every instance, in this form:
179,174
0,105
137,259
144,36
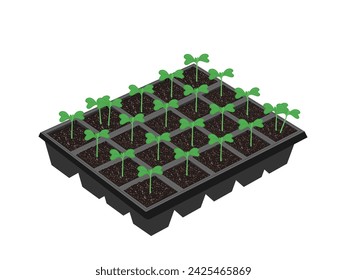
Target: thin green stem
196,102
221,151
251,137
247,106
222,128
283,124
100,120
132,131
71,130
97,147
221,87
141,101
196,72
150,183
171,88
158,150
192,139
187,173
122,166
166,110
109,117
276,123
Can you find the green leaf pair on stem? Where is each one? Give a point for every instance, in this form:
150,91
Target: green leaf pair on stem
281,108
179,153
159,105
91,135
190,90
241,93
114,154
216,109
143,171
215,139
103,102
185,124
165,75
215,74
152,138
190,59
243,124
79,115
126,119
135,90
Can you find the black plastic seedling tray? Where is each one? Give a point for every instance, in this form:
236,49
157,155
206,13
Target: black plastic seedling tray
246,167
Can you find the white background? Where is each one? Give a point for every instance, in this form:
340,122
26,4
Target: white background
287,225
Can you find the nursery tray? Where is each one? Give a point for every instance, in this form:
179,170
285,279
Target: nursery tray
172,191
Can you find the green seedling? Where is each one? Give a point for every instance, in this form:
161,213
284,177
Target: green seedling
135,90
126,119
179,153
109,103
65,116
114,154
185,124
214,74
152,138
90,135
190,59
216,109
144,171
190,90
165,75
243,124
241,93
215,139
294,113
159,104
99,103
280,108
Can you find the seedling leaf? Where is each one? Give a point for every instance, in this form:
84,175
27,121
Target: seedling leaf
89,134
204,58
139,118
178,74
157,170
124,119
64,116
158,105
199,122
188,59
295,113
163,75
254,91
104,133
258,123
213,139
165,136
243,124
214,109
239,93
148,89
203,88
213,74
179,153
150,138
130,153
188,90
173,103
114,154
228,138
90,102
142,171
228,72
268,108
133,90
194,152
117,103
184,123
79,115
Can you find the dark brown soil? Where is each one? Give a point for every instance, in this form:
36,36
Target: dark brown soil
150,155
158,123
210,158
189,109
63,136
254,111
214,125
162,90
140,191
114,172
241,143
228,96
269,130
124,138
94,121
177,174
189,78
89,155
132,104
183,139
